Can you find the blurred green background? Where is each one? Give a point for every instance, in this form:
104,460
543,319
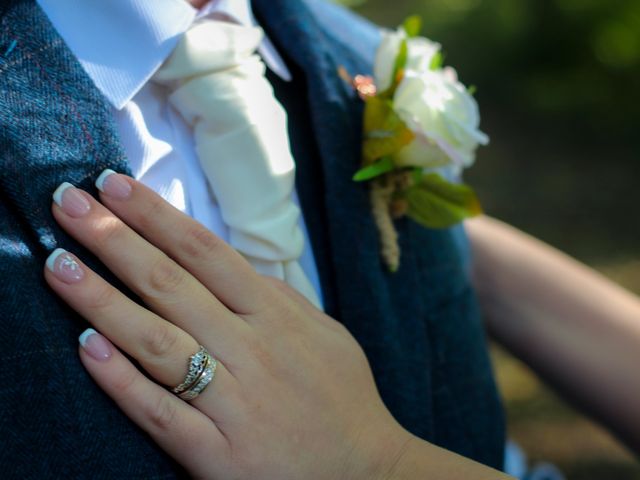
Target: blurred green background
558,86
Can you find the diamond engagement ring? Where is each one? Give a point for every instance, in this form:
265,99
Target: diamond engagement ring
201,370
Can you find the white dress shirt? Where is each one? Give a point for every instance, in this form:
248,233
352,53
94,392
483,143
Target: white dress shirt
121,44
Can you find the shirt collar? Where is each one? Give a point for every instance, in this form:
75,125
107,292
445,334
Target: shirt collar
121,43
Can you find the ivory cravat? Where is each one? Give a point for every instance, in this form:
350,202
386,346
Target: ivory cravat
219,86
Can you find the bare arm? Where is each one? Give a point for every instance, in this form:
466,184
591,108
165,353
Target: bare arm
424,460
580,331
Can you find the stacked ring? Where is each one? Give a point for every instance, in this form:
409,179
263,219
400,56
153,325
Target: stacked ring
201,370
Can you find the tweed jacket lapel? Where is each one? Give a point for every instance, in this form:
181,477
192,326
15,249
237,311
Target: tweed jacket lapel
57,123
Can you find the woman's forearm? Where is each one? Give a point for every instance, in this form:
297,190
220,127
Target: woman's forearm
421,459
580,331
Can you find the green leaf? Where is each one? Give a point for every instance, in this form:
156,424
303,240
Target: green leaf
384,131
438,203
400,63
412,26
417,174
437,62
398,70
472,89
374,170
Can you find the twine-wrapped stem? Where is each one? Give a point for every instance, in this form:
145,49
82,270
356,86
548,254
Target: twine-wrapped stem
387,204
381,194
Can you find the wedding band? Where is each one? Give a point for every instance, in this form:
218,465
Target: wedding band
196,366
201,370
203,380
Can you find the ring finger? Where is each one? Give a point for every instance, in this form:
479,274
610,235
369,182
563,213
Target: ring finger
161,348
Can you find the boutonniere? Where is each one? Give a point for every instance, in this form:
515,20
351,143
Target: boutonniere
421,129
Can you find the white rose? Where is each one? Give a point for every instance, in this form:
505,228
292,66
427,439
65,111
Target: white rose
420,53
443,114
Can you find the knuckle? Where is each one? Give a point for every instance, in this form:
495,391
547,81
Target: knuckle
161,340
109,231
199,242
163,414
260,353
148,218
277,283
338,328
283,288
165,277
101,299
124,384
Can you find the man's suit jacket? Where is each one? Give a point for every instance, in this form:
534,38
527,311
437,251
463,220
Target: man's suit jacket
420,327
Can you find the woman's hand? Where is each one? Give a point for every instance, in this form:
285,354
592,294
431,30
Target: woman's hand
293,395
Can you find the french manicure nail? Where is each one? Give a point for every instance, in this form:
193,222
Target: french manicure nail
114,185
64,266
72,202
96,345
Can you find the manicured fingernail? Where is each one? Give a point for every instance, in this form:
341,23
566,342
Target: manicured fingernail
64,266
72,202
112,184
96,345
